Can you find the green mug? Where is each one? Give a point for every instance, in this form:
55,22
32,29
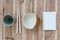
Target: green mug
8,20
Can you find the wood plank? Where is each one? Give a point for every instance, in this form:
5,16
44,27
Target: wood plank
49,35
39,14
1,15
58,20
1,7
8,9
29,33
35,30
1,27
27,8
50,6
23,28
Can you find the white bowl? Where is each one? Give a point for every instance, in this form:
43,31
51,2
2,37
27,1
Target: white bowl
29,20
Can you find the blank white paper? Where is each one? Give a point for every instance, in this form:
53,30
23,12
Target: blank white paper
49,20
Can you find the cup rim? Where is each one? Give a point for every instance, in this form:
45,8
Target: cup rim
34,23
6,24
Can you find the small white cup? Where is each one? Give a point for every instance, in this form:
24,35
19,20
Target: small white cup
29,20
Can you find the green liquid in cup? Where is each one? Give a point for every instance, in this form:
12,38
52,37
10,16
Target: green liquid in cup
8,19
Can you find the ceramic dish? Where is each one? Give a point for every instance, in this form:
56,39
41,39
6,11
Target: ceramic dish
29,20
8,20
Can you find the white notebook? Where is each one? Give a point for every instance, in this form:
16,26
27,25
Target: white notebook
49,20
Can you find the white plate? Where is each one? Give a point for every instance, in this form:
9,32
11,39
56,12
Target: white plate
49,20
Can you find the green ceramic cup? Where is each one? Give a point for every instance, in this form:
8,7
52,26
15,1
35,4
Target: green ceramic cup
8,20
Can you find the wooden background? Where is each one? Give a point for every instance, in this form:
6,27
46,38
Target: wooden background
27,6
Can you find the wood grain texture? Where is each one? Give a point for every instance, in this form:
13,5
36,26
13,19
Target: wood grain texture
50,6
17,36
39,14
29,33
1,15
27,6
23,28
1,28
58,20
7,5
